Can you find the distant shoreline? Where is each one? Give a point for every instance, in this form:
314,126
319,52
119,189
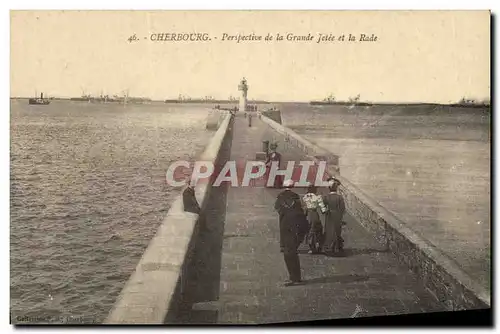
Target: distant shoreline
423,104
216,101
312,103
138,100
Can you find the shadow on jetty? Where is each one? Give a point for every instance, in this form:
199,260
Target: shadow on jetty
204,268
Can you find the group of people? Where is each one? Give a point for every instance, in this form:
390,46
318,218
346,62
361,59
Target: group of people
314,219
300,220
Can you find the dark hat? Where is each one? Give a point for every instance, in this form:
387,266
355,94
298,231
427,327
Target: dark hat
333,179
333,182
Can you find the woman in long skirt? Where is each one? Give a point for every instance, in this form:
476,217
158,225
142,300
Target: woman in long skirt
314,203
334,244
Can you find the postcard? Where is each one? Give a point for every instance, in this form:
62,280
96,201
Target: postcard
250,167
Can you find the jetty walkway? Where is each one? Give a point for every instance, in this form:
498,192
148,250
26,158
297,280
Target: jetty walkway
225,266
240,270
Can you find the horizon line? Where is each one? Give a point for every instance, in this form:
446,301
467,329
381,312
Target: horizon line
485,101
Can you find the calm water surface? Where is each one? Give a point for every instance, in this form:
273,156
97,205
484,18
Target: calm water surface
88,189
429,166
88,192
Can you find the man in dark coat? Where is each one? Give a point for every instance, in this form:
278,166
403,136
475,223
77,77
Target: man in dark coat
335,208
189,199
293,227
274,156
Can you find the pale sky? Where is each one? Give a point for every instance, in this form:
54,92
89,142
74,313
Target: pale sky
418,57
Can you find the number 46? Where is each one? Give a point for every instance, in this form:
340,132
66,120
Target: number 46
132,38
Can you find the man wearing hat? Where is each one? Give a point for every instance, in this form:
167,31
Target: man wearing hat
293,227
274,156
335,208
333,179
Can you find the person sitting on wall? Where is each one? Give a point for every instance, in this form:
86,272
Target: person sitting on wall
189,199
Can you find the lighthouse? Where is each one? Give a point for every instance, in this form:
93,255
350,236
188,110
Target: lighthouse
243,88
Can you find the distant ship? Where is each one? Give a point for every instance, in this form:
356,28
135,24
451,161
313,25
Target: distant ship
39,101
209,99
353,101
125,99
328,100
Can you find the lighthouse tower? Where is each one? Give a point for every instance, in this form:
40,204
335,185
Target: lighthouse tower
243,88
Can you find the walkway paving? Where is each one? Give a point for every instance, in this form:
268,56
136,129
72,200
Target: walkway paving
367,282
